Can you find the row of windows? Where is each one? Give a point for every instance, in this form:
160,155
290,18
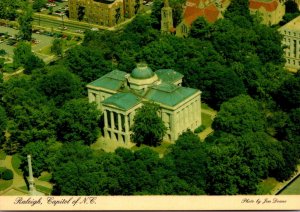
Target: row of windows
292,62
289,40
293,55
291,33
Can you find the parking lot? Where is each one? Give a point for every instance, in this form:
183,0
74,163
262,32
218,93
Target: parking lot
8,45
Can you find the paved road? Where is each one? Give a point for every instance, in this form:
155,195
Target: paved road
53,23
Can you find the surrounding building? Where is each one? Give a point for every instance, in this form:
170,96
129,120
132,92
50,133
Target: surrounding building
211,10
291,39
103,12
271,11
166,18
119,94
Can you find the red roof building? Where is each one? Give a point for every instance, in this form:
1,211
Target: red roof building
271,11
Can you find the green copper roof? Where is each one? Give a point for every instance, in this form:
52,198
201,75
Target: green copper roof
168,75
124,101
142,71
112,81
169,94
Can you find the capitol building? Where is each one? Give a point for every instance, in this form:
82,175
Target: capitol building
119,94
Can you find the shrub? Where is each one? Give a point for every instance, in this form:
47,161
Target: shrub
199,129
6,174
2,52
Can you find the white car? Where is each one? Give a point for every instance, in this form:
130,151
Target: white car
95,29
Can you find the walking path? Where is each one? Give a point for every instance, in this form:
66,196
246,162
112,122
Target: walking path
208,130
6,76
281,185
18,181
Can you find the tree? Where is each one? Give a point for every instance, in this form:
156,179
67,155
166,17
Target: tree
189,159
21,54
291,7
288,94
38,5
33,62
57,47
228,172
239,13
72,170
201,29
148,128
60,85
3,124
25,21
88,63
8,9
78,121
239,115
40,152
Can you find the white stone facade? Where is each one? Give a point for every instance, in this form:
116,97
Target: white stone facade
177,116
291,39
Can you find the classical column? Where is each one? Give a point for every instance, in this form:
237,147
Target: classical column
172,126
131,118
31,180
200,115
105,124
119,128
91,96
186,118
127,130
112,122
98,100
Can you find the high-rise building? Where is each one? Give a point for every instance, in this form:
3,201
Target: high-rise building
103,12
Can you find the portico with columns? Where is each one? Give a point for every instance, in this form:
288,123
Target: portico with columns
119,95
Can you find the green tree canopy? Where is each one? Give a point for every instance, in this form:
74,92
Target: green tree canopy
8,9
189,159
60,85
88,63
148,128
57,47
38,5
78,121
21,54
25,21
239,115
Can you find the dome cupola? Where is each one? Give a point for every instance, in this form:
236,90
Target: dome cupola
142,76
142,71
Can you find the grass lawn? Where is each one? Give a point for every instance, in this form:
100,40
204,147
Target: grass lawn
45,176
293,188
8,68
23,188
205,106
206,120
2,155
46,50
4,184
266,186
43,189
16,162
161,149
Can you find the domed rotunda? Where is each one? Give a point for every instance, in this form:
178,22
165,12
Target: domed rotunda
142,76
